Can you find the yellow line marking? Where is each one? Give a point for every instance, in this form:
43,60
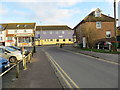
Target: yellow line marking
61,74
58,66
93,57
66,75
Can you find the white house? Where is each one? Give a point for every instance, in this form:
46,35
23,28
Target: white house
20,34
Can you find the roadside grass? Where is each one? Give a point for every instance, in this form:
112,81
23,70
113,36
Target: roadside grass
100,50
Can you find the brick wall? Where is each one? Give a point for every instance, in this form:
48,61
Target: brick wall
88,29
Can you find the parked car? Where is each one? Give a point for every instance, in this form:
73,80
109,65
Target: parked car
4,64
11,54
25,52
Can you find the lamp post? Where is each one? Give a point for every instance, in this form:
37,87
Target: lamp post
115,24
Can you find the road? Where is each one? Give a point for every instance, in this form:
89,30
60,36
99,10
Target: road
86,72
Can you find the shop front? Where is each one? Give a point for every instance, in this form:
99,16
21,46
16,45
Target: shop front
24,40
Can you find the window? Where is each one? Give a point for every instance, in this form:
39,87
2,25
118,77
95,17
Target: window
45,40
44,32
50,32
25,31
57,40
63,32
9,38
15,31
18,25
1,39
56,32
51,40
69,32
25,25
98,25
63,39
97,14
108,34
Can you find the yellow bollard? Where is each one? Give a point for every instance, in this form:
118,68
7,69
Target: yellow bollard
17,70
24,60
24,63
29,58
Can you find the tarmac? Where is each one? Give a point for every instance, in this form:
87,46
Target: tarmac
39,74
105,56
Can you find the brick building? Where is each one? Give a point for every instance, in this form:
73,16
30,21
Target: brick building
95,29
118,34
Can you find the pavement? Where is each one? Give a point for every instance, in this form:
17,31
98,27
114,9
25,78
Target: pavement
39,74
106,56
85,71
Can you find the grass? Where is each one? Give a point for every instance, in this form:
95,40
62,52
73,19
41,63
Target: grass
100,50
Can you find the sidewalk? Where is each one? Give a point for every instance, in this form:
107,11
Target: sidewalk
38,75
106,56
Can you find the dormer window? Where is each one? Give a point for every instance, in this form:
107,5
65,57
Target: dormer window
18,25
25,25
97,14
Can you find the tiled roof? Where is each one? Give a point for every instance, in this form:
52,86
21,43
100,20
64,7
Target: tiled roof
3,26
20,25
91,18
53,27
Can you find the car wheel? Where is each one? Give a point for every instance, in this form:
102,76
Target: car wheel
12,59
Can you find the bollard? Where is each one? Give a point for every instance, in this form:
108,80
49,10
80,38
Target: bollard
34,49
29,58
17,70
24,59
24,64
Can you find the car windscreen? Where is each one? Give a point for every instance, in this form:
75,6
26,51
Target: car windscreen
10,49
15,47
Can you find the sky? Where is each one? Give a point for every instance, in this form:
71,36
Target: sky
51,12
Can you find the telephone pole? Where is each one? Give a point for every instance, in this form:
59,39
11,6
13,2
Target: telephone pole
115,25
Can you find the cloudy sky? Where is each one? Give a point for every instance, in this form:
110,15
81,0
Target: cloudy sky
51,12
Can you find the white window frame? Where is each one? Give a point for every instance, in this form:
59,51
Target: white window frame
108,33
25,31
56,32
15,31
44,32
98,25
63,32
97,14
50,32
1,38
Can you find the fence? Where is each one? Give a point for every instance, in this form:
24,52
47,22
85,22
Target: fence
26,59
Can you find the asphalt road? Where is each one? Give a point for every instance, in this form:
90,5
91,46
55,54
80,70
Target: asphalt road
86,72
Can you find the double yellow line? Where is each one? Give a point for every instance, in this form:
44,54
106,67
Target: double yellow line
70,83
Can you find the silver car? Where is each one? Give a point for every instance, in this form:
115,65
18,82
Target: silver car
11,54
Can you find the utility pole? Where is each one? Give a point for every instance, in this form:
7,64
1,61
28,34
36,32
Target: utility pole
115,24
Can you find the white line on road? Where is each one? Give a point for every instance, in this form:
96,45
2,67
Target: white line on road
93,57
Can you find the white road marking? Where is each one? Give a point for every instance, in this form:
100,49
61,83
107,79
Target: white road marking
93,57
